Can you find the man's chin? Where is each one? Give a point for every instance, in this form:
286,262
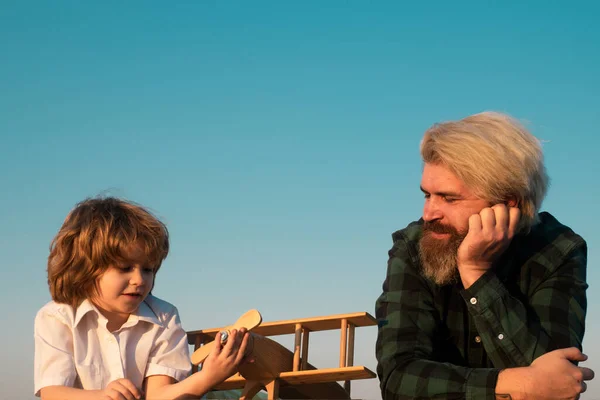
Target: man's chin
438,259
441,277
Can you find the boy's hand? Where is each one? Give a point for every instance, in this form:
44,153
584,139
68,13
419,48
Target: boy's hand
490,233
224,361
121,389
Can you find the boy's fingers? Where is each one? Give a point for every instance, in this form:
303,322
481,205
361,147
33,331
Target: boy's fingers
242,350
118,392
231,341
217,344
130,387
125,392
114,394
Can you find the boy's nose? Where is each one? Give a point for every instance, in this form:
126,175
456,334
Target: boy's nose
137,278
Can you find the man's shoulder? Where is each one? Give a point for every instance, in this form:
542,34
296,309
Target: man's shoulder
405,245
411,233
551,232
546,247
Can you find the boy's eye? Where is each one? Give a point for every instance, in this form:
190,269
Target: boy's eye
149,270
125,268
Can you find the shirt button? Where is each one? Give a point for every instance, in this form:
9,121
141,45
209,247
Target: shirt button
500,336
473,300
477,339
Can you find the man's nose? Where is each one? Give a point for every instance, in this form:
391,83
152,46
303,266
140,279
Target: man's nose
431,210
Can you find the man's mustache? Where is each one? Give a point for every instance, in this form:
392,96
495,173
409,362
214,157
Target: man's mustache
437,227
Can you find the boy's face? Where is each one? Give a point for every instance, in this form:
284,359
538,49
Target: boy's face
122,288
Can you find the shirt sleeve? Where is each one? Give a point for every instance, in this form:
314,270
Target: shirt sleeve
406,322
170,354
53,354
515,331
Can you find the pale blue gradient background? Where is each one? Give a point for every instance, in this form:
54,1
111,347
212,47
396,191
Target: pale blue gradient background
278,140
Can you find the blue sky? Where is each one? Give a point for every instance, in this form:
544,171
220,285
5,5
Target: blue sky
278,141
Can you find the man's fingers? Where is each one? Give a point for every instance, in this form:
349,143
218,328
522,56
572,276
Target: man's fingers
475,224
588,374
502,217
573,354
488,219
583,387
514,215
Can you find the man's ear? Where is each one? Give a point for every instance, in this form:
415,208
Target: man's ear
512,202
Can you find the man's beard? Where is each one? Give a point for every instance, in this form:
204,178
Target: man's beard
439,256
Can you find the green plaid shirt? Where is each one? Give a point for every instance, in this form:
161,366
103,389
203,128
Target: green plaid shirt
451,343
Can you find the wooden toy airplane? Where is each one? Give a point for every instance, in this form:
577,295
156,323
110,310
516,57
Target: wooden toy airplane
282,373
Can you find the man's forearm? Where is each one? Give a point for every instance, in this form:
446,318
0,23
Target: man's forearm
422,378
512,384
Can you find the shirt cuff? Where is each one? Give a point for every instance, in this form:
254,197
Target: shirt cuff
481,384
484,292
177,374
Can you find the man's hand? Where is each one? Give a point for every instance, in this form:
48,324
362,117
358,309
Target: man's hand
490,233
121,389
554,376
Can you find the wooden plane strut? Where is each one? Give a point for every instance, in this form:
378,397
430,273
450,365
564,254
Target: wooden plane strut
287,374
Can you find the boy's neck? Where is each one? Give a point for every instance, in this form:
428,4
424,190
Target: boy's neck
115,323
114,320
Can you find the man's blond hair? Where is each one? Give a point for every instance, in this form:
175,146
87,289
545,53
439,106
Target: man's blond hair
495,156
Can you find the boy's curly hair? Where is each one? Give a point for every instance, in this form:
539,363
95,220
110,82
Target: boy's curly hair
99,233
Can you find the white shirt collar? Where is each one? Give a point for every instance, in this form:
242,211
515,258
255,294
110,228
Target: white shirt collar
143,313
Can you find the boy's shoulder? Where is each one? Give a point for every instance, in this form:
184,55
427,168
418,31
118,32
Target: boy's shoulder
60,311
163,310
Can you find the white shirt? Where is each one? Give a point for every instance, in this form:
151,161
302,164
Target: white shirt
75,349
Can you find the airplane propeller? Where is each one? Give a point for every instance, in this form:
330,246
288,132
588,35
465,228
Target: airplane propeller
249,320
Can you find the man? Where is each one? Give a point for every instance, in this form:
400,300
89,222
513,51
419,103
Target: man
485,296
